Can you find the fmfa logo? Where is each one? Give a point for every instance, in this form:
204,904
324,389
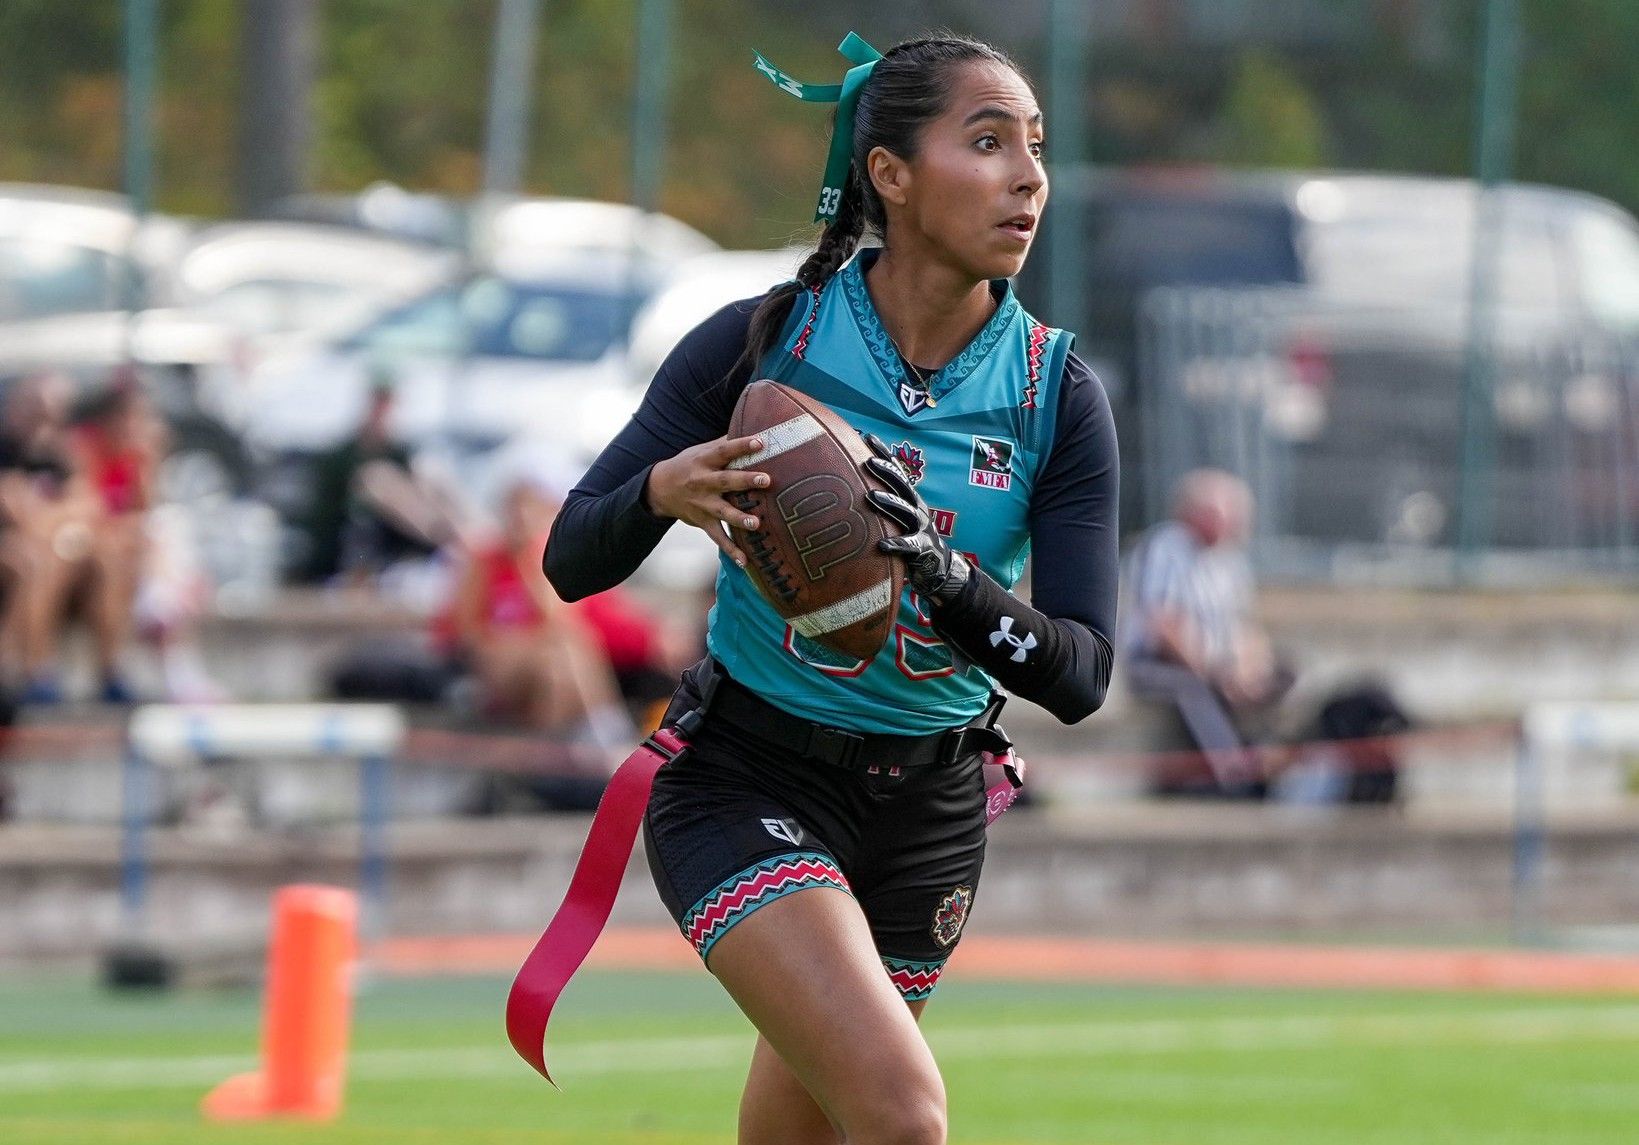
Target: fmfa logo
992,463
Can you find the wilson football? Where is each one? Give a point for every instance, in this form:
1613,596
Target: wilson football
813,554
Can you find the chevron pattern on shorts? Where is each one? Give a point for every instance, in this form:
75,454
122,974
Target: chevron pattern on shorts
914,980
739,895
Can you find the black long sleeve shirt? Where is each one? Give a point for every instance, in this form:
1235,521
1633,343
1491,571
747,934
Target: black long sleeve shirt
605,528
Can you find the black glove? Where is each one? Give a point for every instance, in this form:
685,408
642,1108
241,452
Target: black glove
934,569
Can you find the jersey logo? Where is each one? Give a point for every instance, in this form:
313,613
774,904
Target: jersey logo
785,830
944,521
1021,644
992,463
911,398
951,914
911,460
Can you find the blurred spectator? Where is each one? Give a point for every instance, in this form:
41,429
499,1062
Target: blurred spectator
497,583
72,506
117,445
1189,640
536,659
350,535
173,594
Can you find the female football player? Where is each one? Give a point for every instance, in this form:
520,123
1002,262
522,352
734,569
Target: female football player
821,842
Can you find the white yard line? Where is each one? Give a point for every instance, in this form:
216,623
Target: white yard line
990,1043
1584,1095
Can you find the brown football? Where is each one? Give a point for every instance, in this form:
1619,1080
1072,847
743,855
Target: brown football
813,554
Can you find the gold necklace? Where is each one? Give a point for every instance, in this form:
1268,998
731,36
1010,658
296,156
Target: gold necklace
921,378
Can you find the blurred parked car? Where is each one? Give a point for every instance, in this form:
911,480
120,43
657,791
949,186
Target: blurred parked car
513,235
471,364
529,337
235,294
65,250
384,208
474,361
264,278
1344,307
697,289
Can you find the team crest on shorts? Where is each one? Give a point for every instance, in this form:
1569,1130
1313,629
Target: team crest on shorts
911,460
992,463
951,915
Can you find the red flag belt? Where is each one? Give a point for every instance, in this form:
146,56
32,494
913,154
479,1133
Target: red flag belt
575,927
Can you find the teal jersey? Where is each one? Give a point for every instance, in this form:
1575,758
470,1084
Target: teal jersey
975,451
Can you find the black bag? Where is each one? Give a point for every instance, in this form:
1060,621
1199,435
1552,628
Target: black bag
393,670
1366,712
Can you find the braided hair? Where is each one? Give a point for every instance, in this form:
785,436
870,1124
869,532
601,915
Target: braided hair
908,89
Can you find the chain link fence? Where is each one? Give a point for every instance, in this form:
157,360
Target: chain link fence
1348,423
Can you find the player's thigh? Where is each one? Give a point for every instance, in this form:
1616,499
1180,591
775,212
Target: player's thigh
777,1107
805,971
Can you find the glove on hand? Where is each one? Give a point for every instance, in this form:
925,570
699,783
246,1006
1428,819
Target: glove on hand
934,569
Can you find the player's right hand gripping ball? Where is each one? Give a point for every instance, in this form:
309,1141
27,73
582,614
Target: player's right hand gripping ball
937,571
815,555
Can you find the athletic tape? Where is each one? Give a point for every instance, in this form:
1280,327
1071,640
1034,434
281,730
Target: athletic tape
844,612
777,439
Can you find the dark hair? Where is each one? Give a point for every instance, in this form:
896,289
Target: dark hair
908,89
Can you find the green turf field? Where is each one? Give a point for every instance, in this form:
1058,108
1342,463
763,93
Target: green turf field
656,1059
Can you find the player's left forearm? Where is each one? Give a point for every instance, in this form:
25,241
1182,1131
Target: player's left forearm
1061,664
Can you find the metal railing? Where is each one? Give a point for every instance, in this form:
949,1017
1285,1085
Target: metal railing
1345,421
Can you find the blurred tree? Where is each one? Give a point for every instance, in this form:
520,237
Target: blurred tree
60,92
1269,119
401,90
1579,97
401,94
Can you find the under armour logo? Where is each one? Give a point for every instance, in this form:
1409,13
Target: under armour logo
785,830
1021,644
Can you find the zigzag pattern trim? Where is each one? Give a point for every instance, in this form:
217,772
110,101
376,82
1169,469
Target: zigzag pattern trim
914,980
1038,339
754,887
800,349
887,357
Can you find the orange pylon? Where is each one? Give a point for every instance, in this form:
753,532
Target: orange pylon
309,1009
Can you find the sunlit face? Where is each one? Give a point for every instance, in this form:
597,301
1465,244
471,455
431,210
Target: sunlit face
974,193
129,420
1218,510
527,514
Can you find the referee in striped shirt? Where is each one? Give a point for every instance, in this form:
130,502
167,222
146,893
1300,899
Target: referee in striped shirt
1189,640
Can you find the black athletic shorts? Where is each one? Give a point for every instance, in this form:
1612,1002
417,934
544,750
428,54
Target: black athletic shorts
741,820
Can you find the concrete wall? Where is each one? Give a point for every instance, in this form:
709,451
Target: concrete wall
1454,656
1181,871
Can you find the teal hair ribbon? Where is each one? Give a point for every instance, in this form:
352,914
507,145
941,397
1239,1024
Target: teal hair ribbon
846,96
